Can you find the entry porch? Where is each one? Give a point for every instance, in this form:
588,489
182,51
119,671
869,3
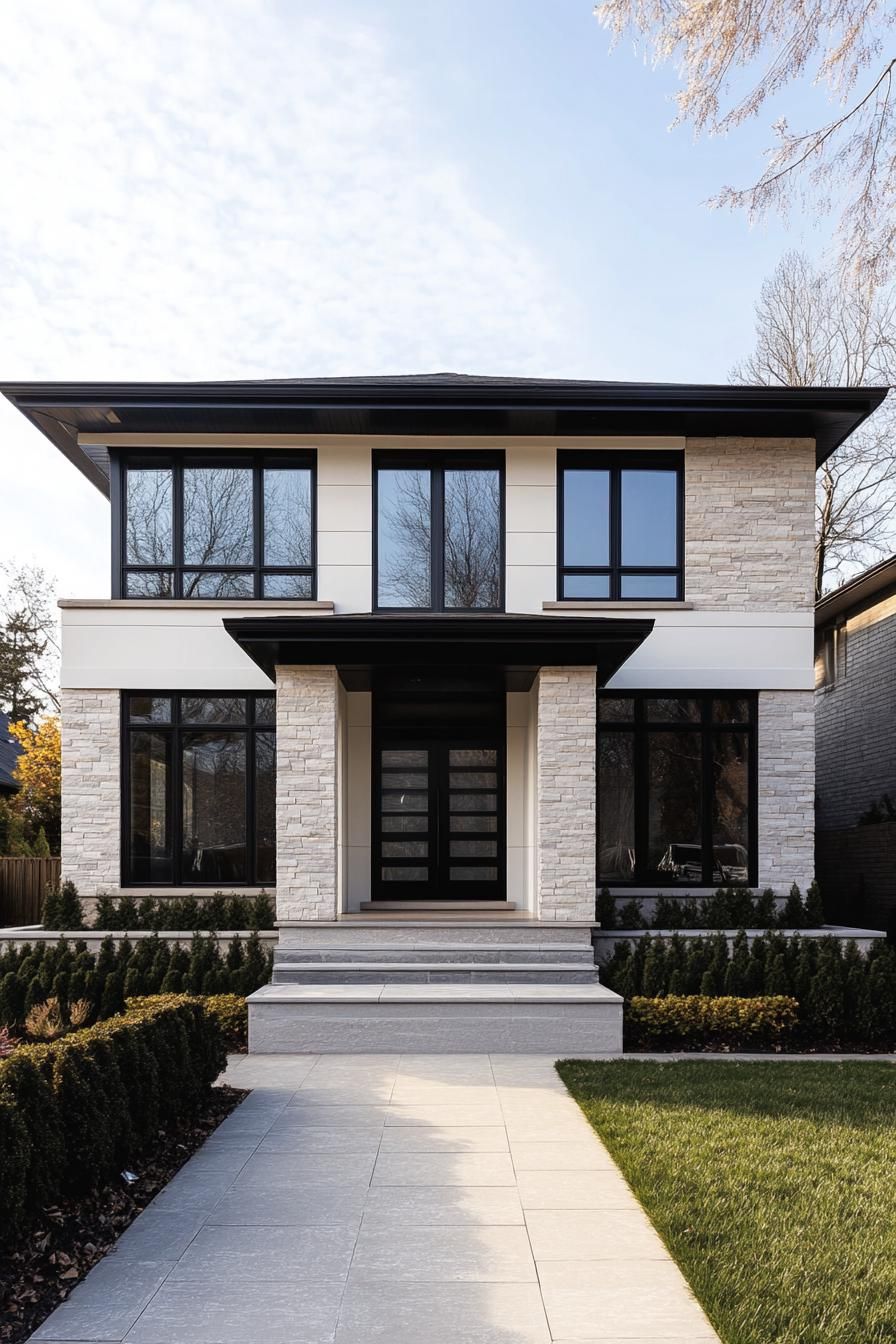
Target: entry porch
437,759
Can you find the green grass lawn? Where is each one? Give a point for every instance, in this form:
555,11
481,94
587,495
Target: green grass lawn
773,1186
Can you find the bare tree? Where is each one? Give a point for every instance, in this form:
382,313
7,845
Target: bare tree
813,331
842,44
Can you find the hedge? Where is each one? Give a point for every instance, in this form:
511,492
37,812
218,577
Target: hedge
727,908
67,971
77,1111
230,1011
62,910
844,997
701,1022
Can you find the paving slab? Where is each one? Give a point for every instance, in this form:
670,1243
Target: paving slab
391,1199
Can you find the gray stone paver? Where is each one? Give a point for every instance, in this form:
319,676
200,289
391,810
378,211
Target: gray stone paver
356,1199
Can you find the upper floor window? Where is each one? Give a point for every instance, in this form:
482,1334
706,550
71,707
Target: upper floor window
217,527
621,526
439,533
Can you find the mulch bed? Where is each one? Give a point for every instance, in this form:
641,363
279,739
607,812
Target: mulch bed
69,1238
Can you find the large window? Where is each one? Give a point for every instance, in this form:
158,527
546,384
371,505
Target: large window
198,787
212,527
676,789
439,533
620,526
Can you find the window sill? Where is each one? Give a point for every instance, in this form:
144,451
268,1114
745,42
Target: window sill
583,604
185,603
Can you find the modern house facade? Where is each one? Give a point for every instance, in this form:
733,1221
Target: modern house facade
397,649
855,727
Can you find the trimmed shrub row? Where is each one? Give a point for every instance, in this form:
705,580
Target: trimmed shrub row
230,1011
68,972
62,910
75,1112
698,1021
727,908
844,997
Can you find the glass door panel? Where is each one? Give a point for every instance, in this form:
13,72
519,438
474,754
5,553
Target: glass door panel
438,822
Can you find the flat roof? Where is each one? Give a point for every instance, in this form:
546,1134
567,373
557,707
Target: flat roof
514,646
430,404
862,591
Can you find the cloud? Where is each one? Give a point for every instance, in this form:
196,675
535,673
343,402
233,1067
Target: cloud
237,190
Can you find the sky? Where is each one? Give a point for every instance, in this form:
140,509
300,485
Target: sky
282,188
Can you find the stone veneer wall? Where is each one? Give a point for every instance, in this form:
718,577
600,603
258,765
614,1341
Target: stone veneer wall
91,789
749,523
566,803
786,789
307,816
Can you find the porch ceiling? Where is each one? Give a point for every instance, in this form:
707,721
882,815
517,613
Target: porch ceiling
517,646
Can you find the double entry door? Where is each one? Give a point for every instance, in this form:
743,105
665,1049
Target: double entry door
439,815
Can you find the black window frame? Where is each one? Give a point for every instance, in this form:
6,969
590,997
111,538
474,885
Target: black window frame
437,463
174,729
615,462
150,459
640,728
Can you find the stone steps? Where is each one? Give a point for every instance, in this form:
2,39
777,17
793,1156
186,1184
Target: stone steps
439,972
435,1019
410,954
435,984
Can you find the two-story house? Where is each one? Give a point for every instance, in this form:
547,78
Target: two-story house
434,658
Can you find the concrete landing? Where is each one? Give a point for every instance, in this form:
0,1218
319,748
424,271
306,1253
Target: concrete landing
435,1019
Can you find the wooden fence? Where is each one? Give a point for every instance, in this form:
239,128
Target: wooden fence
23,884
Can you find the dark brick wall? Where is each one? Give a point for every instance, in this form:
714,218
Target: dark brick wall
857,873
855,721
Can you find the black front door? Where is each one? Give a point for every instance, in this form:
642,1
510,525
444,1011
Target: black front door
439,816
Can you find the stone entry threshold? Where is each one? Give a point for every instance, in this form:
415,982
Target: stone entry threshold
387,1199
435,1018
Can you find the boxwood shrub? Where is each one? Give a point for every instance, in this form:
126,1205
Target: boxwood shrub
75,1112
697,1021
230,1011
67,971
846,999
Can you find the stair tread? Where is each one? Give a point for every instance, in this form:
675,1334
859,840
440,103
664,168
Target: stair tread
537,967
440,993
437,907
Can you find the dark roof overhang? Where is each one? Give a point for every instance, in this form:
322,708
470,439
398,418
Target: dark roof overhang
430,404
514,646
861,592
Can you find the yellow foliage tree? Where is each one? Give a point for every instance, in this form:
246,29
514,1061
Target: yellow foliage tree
38,773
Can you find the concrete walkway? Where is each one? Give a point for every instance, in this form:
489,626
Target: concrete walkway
384,1199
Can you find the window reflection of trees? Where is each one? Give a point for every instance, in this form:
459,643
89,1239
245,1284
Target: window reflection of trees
149,530
471,544
404,539
287,518
472,539
218,524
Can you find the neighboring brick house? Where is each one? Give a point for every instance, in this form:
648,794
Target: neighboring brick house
855,733
514,639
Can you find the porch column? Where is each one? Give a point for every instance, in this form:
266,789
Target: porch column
566,802
307,825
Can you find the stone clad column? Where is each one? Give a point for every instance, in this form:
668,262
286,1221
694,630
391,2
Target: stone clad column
307,827
566,803
91,790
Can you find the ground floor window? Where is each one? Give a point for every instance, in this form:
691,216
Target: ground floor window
198,789
677,789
